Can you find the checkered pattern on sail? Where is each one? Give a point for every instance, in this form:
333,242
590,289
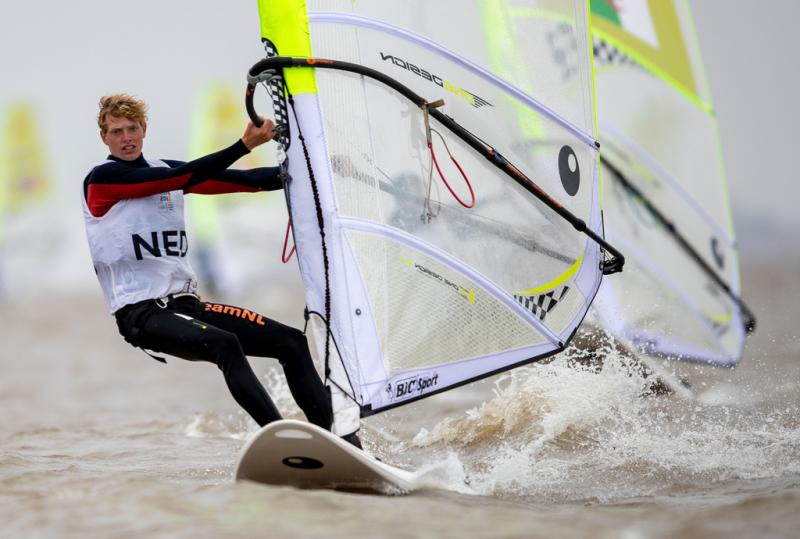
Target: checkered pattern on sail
279,108
564,49
542,304
607,54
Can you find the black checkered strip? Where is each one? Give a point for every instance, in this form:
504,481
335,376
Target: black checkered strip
279,108
543,303
607,54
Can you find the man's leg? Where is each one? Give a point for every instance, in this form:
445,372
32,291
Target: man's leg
263,337
178,334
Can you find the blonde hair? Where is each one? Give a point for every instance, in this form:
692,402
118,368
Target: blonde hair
121,106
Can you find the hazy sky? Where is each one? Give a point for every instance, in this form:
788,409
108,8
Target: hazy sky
64,55
750,49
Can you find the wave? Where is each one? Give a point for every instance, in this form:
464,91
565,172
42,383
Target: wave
572,431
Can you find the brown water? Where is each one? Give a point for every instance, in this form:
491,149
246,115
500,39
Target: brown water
98,440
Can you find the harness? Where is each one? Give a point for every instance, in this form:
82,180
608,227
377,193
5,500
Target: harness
131,318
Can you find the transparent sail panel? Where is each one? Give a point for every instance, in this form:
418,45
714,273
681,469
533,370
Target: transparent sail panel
429,314
539,46
508,236
479,103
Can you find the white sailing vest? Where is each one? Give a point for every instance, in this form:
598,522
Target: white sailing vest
139,248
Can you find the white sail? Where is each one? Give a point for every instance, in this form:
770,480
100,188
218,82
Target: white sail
420,289
666,202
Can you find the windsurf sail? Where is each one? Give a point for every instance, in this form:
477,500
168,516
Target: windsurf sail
442,179
24,176
665,198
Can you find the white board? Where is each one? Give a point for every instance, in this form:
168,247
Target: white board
302,455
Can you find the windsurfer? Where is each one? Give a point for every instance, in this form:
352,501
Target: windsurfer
133,211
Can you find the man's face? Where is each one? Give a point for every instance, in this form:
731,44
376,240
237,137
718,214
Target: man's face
124,138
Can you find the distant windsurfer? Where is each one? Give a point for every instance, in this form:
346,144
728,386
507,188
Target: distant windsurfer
133,211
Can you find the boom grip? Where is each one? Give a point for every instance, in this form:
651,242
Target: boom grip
248,103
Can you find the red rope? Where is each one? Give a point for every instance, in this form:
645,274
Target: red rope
466,180
285,258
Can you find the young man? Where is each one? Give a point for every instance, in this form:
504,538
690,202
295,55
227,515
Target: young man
133,211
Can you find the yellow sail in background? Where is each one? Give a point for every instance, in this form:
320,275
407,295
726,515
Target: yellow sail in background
24,176
218,120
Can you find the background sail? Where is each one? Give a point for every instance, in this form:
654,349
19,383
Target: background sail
420,292
24,175
658,131
217,118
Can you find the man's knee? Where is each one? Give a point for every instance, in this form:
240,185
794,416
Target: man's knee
226,350
294,347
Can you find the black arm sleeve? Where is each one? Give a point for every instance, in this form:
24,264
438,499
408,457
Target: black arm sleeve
260,178
118,172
